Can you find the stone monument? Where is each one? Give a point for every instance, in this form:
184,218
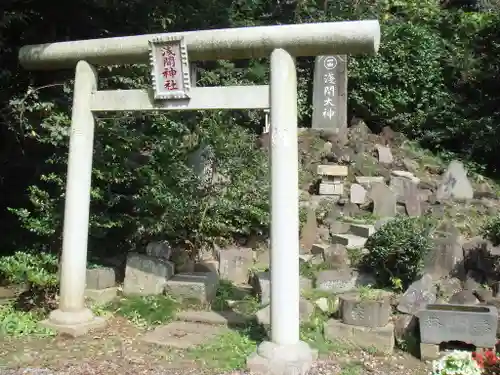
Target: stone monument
330,93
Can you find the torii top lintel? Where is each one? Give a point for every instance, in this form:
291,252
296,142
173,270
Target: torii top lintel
310,39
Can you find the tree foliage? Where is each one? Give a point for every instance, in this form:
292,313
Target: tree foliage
435,78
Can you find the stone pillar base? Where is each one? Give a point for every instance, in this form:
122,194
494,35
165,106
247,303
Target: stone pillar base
272,359
73,323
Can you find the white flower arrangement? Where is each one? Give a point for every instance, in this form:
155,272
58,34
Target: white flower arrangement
457,362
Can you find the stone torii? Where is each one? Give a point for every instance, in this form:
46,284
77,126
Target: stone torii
285,353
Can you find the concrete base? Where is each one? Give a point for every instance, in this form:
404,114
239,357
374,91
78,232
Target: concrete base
380,338
73,323
429,352
272,359
101,296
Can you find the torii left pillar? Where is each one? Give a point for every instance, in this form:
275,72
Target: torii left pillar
72,317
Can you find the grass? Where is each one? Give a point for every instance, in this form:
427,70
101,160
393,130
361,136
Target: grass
227,351
355,255
230,350
422,156
362,218
367,293
310,270
351,368
467,218
312,333
229,296
145,311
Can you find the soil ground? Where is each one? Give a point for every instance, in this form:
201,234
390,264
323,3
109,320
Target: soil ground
118,350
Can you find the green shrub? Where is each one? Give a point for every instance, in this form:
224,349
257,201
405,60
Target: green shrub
397,250
21,323
390,89
491,230
144,187
22,268
435,78
38,272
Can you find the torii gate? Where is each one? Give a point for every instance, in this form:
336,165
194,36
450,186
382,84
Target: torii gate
285,353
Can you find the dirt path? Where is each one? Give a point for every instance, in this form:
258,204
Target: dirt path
118,350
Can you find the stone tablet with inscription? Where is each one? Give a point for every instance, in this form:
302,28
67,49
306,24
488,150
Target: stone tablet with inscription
330,94
476,325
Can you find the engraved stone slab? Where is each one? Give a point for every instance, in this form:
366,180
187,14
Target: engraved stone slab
332,170
357,194
235,263
331,189
200,286
370,311
330,94
341,281
476,325
420,293
145,275
455,183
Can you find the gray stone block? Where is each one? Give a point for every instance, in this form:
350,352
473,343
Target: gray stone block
235,263
100,278
341,281
365,312
159,249
381,339
145,275
262,287
429,352
272,359
362,230
199,286
336,255
74,324
183,335
476,325
101,296
418,294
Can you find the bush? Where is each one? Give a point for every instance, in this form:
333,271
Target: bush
392,88
435,78
144,186
38,272
491,230
32,270
397,250
21,323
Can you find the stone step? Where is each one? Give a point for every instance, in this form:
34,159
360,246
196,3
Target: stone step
228,318
183,335
362,230
351,241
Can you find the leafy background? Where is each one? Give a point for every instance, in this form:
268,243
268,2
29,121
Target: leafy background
436,79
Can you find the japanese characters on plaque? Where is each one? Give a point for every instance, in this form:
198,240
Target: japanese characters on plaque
169,68
330,93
